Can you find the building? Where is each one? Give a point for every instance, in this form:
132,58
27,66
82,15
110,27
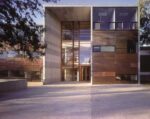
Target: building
17,65
91,43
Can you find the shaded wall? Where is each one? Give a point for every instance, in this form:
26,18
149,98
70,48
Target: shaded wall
53,50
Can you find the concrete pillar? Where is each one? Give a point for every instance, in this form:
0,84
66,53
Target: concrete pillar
9,74
78,78
53,50
25,75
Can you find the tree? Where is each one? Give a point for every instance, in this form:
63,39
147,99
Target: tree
145,22
18,30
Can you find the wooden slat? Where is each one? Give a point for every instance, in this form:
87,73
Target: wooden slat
119,62
104,74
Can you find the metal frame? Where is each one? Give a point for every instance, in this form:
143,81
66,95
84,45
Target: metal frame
77,29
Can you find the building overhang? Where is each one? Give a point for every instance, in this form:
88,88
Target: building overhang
70,13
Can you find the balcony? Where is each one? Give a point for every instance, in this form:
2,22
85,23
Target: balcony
115,25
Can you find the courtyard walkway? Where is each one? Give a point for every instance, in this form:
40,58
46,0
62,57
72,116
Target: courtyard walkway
77,101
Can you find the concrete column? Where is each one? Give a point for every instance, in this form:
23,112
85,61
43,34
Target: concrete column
53,50
9,73
25,75
114,19
78,76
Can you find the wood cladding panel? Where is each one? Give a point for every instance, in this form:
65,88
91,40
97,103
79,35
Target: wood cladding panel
103,62
121,63
126,63
21,64
103,74
109,80
103,38
107,65
104,80
121,44
126,34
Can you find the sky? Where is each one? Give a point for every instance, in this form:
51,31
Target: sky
40,19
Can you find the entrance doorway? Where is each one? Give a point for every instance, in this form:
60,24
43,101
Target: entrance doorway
85,74
75,50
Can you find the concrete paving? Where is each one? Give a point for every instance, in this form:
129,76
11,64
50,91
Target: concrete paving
77,101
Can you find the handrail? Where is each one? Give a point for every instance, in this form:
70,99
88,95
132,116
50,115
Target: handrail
116,25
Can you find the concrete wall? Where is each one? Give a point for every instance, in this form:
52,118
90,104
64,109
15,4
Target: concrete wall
53,50
7,85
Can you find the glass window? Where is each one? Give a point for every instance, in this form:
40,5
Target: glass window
127,14
126,18
98,48
145,63
85,31
17,73
3,73
101,14
97,26
119,25
120,18
107,49
85,49
103,18
131,46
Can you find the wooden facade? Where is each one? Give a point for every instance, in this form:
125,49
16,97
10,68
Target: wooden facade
108,65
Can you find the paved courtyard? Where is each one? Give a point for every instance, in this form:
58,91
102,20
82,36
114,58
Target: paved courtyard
77,101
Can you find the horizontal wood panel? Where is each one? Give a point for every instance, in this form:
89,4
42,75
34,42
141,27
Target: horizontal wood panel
103,61
104,67
102,54
96,74
104,80
103,42
118,62
108,80
121,51
21,64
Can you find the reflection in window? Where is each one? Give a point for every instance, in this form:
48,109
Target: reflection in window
98,48
107,49
3,73
119,26
115,18
97,26
145,63
103,14
85,49
67,35
126,15
131,46
85,31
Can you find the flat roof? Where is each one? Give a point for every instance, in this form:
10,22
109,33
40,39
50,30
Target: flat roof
58,5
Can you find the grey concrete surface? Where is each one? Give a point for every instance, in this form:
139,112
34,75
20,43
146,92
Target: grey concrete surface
52,70
77,101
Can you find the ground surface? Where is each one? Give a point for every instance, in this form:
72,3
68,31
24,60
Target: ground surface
77,101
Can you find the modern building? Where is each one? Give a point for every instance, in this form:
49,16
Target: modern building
91,43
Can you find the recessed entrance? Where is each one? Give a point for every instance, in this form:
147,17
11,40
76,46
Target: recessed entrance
75,50
68,34
85,74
